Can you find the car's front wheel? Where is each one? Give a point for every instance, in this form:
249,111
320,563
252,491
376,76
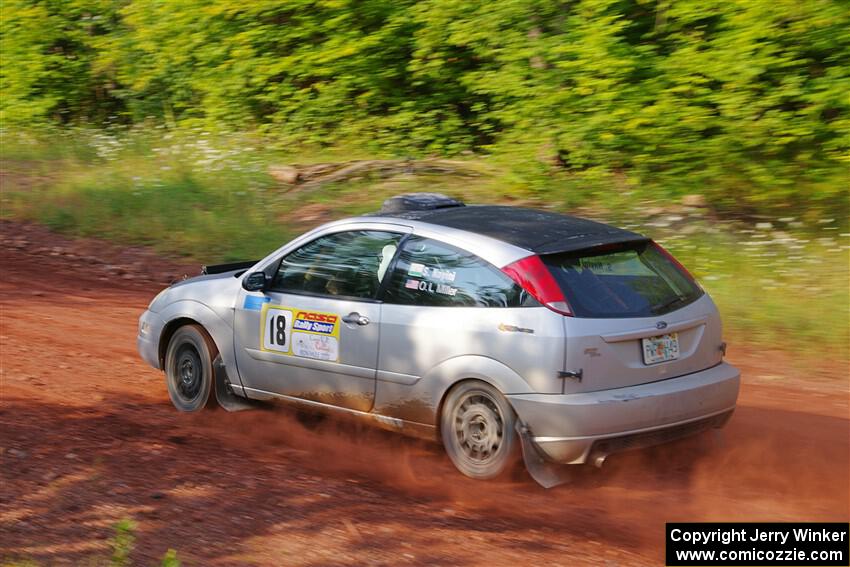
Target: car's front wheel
188,368
477,426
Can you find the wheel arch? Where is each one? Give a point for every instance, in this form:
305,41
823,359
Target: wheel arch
188,312
456,371
168,332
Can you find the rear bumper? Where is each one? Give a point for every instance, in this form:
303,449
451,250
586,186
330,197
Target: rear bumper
571,428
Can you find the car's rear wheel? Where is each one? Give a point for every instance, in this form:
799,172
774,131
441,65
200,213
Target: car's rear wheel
189,368
477,426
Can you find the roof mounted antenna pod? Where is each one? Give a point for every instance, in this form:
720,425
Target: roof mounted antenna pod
419,202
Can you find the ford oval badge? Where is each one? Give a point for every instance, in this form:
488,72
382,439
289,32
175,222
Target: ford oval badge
661,325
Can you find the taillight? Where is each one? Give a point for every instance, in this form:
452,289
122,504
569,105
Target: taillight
674,261
534,277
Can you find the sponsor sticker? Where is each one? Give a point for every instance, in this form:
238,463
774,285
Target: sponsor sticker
313,322
254,303
298,332
319,347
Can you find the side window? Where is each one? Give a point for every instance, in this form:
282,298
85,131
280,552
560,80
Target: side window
430,273
346,264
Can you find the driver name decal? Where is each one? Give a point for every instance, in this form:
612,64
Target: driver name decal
429,272
430,287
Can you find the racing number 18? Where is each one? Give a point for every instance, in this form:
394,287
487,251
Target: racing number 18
277,326
277,330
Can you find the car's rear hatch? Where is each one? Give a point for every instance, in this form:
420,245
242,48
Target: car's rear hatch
637,316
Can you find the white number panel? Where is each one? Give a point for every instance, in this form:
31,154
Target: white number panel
276,331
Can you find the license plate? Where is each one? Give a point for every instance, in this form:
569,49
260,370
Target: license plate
661,348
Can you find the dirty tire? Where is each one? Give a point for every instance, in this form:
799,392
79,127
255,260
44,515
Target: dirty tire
477,425
189,368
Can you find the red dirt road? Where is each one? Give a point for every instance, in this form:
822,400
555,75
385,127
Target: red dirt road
89,437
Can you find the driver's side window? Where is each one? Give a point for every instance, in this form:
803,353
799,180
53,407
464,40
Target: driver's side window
345,264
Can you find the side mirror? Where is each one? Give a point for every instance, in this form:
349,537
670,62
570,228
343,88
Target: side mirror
255,281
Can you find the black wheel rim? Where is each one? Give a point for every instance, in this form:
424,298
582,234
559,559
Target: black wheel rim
188,371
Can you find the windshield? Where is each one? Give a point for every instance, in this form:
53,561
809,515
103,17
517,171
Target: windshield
623,280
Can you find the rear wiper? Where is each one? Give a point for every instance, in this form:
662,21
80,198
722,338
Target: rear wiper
666,304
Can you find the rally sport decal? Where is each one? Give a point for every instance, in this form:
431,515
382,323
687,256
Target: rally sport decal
295,332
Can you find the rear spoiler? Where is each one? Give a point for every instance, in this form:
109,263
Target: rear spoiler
231,267
587,242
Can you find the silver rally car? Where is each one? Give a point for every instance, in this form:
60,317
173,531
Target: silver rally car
497,330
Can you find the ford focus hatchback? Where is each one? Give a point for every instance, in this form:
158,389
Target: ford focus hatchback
495,330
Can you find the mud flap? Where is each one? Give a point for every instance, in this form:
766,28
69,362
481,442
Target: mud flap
546,473
223,394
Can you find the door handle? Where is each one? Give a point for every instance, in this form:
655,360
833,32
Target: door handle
356,318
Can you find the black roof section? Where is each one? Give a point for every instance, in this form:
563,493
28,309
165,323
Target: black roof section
541,232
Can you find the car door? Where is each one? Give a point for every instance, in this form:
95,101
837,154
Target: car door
313,334
443,304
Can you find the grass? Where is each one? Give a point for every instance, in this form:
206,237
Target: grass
779,282
122,543
789,293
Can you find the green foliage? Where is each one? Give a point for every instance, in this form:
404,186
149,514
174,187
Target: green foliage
118,107
122,543
170,559
745,100
775,288
178,211
49,52
208,197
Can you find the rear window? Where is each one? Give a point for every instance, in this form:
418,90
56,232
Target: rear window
626,280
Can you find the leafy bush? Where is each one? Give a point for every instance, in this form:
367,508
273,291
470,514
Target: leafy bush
781,281
122,543
744,100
